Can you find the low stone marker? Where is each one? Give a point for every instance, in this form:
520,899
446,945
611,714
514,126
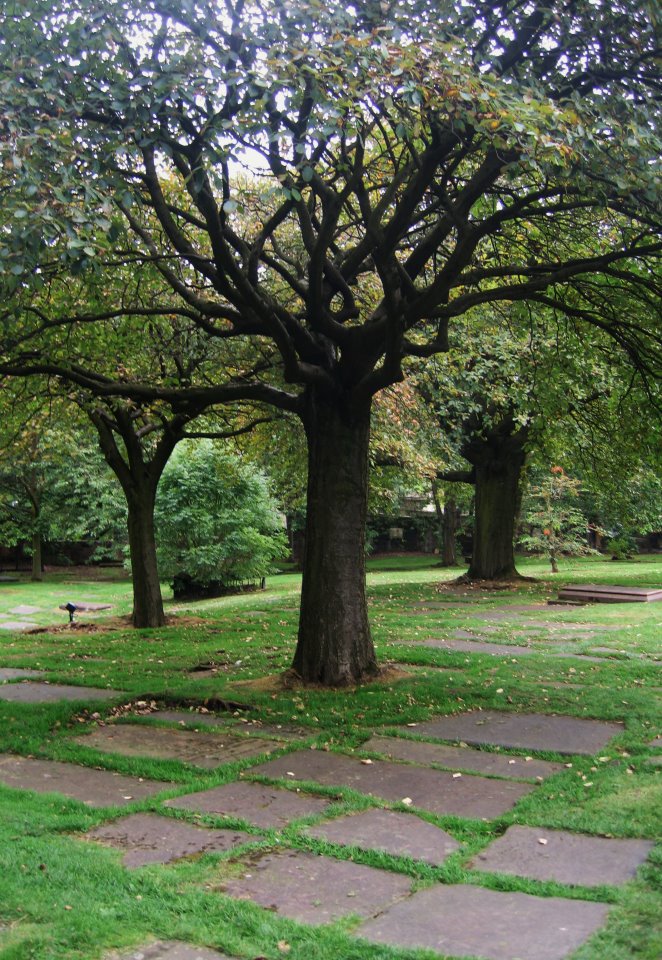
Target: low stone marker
52,692
565,857
400,834
206,750
24,610
17,626
462,758
85,606
435,790
98,788
467,920
314,889
527,731
148,838
601,593
262,806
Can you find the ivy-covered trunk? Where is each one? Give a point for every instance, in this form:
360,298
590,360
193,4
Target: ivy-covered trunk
498,464
334,646
147,599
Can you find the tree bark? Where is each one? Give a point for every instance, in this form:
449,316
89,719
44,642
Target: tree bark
147,599
334,645
37,560
498,462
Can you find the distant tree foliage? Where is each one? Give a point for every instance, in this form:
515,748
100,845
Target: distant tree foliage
216,520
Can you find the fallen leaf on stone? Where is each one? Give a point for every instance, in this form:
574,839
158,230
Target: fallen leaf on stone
367,762
407,801
542,840
456,776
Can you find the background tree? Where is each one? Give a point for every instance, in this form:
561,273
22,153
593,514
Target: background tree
216,520
449,155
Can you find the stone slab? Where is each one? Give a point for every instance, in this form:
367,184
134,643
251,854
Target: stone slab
526,731
17,625
189,718
316,890
602,593
466,920
476,646
262,806
170,950
462,758
29,692
657,742
148,838
564,857
18,673
98,788
206,750
24,610
400,834
435,790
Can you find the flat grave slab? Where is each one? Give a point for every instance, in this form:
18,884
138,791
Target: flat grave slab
462,758
24,610
18,673
316,890
253,727
467,920
169,950
97,788
206,750
148,838
602,593
29,692
565,857
17,625
266,807
475,646
433,790
657,742
527,731
400,834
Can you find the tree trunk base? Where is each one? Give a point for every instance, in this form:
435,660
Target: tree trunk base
500,582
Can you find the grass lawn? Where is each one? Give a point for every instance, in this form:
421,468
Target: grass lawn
62,898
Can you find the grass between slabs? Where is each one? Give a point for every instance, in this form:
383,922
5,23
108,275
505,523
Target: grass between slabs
65,899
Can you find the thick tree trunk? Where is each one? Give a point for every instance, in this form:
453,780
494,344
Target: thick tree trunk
147,600
497,500
334,646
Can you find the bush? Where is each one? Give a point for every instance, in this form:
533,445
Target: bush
216,520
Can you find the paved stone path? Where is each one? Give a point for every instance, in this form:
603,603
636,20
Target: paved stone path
467,920
266,807
434,790
99,788
462,758
565,857
312,889
527,731
400,834
51,692
18,673
199,749
453,919
193,719
149,838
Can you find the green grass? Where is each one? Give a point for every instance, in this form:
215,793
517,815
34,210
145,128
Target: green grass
45,868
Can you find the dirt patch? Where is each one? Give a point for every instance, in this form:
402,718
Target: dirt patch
289,680
116,623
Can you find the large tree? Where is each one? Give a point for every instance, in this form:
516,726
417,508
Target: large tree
406,164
